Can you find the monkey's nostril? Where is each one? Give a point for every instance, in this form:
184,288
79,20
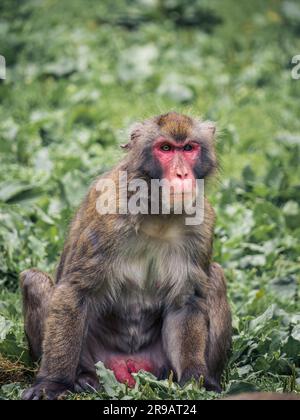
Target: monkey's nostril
182,175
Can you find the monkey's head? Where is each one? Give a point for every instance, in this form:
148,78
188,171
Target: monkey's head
173,147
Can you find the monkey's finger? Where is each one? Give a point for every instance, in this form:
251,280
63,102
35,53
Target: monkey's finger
86,383
30,394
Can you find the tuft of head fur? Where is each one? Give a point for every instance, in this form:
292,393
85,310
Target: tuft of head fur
175,125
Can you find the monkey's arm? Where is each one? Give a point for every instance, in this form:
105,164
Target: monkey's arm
64,332
197,337
185,338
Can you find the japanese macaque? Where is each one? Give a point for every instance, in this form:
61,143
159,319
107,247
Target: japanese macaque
135,291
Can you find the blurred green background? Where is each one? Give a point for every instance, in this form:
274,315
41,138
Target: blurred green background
78,74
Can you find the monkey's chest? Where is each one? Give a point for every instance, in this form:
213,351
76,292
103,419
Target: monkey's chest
154,272
148,277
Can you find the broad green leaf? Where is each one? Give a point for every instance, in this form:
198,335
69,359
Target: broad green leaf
5,327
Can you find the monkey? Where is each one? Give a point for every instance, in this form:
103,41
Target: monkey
135,291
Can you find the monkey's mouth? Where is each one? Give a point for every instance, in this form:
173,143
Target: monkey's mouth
183,194
182,199
182,187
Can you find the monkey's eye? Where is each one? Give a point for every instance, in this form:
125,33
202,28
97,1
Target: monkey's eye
166,148
188,148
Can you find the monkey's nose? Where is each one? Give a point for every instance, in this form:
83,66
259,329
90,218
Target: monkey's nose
182,173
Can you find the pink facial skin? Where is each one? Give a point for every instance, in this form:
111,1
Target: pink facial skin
177,162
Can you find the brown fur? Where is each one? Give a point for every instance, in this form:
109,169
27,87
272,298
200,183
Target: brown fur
132,286
175,125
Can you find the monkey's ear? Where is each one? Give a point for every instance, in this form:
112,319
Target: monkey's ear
208,129
135,132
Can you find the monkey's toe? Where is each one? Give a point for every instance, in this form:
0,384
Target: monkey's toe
212,386
29,394
45,391
86,382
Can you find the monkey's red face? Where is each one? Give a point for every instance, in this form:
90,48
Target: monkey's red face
178,162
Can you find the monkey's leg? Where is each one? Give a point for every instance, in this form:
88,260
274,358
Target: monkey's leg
37,288
220,325
63,338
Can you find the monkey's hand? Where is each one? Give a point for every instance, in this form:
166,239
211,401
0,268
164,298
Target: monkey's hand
46,390
209,383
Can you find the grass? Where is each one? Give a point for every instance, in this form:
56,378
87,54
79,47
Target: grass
78,74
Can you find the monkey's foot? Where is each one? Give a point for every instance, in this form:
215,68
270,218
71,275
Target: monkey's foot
123,369
86,382
209,383
46,390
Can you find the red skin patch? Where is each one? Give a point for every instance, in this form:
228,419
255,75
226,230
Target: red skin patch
177,163
123,368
